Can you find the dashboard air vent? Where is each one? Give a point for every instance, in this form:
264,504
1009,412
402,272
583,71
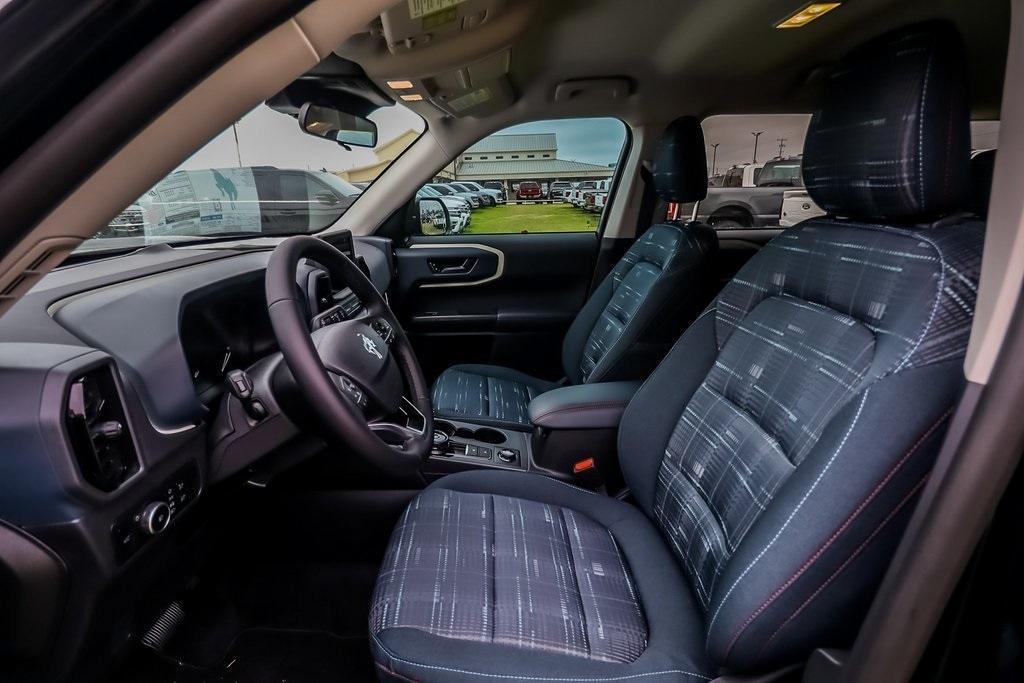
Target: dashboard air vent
98,430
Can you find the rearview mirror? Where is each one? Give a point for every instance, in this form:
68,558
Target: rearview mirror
342,127
434,218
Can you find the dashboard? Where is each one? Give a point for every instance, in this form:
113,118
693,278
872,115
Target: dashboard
122,419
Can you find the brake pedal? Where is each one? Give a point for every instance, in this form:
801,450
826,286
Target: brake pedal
162,630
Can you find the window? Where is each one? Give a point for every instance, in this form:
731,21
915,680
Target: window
755,170
534,191
754,167
261,176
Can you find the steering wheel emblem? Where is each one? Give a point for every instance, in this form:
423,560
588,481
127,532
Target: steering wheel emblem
370,346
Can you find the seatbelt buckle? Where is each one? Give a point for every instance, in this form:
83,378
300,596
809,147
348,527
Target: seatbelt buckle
587,474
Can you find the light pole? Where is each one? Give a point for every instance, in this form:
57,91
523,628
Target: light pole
782,145
756,135
238,150
714,158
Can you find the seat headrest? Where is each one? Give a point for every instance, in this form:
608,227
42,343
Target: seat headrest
892,137
681,163
982,165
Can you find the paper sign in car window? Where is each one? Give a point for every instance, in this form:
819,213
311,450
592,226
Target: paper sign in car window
420,8
206,202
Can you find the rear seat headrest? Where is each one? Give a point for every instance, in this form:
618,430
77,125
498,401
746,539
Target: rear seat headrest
892,139
982,165
681,162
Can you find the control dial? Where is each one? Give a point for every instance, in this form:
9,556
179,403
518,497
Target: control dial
155,518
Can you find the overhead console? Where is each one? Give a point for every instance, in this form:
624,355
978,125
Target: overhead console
415,24
452,54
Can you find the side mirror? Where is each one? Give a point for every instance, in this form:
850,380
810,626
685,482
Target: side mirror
332,124
434,217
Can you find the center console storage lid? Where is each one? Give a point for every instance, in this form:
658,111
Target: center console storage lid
582,406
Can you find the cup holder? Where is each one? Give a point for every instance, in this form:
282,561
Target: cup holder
482,434
488,435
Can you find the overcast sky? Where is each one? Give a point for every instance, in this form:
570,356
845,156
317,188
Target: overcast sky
268,138
736,142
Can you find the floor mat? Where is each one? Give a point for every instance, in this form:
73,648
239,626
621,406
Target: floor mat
262,655
273,656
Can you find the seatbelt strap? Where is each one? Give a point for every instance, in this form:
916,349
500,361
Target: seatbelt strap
648,200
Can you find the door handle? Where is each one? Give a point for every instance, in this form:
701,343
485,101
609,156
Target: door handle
451,266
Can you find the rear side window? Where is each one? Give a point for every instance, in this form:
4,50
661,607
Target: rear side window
753,170
541,175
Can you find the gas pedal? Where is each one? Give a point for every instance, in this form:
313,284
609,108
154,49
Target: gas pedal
162,630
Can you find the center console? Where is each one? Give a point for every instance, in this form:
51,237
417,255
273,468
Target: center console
573,438
463,445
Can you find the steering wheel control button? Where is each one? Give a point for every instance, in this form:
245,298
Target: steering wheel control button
352,391
508,455
383,328
155,517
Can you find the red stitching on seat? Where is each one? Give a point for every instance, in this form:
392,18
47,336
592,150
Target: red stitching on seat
851,558
842,527
395,674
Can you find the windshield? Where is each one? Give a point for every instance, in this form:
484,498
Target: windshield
262,176
781,174
443,189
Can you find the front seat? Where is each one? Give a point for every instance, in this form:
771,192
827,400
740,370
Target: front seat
627,324
775,455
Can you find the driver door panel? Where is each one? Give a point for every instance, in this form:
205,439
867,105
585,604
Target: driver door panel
501,299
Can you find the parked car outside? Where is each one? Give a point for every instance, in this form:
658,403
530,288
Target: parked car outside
590,197
751,195
128,223
498,186
559,189
797,206
528,189
257,199
458,208
498,195
485,198
448,191
579,196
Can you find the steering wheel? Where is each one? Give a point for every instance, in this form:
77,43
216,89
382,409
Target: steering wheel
360,377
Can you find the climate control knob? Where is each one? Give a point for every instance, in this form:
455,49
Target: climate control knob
155,518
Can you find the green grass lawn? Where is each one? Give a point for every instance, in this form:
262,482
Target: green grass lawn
512,218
